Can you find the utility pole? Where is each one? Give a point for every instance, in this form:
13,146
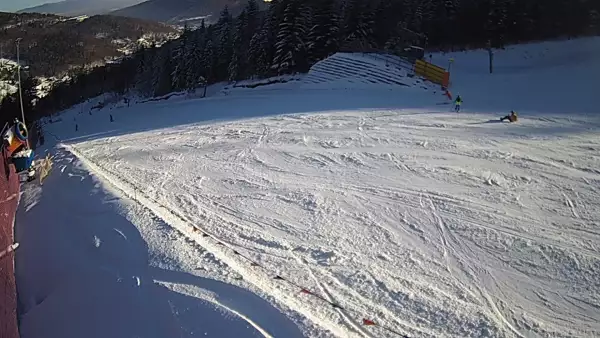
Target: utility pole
491,55
20,89
19,79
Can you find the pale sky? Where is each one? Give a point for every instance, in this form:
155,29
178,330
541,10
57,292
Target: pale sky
15,5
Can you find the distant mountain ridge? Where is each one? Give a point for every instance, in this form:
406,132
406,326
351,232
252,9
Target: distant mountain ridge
181,11
52,45
80,7
175,12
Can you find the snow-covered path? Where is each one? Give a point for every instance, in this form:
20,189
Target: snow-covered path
434,224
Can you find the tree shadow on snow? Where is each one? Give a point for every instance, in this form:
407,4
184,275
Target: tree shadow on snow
155,116
181,114
82,270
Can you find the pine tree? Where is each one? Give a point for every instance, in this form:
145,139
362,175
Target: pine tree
496,21
237,65
124,74
234,68
208,62
427,10
258,58
385,22
143,77
253,20
323,34
224,46
248,30
270,30
290,54
444,17
9,108
180,54
163,70
194,63
595,18
358,25
29,92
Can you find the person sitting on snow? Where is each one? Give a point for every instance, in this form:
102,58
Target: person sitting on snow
457,103
511,118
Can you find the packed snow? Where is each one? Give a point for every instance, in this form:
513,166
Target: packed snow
378,200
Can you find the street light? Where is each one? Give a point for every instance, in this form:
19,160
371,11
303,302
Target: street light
18,41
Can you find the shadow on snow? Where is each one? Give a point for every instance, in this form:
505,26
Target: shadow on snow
180,112
82,271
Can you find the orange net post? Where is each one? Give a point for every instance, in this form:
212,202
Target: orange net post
9,192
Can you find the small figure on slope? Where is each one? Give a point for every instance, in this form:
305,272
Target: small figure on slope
511,118
457,103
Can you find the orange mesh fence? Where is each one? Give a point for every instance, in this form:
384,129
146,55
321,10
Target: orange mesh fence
9,195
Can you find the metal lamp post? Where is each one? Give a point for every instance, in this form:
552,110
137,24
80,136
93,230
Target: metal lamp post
18,41
19,78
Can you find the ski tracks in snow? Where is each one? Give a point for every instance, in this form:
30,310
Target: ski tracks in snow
327,295
570,204
173,218
454,247
399,225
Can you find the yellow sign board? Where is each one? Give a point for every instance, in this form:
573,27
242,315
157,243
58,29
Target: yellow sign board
433,73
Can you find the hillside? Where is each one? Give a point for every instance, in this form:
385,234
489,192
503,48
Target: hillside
80,7
180,11
53,44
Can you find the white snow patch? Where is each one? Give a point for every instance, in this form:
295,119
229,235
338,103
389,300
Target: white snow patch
97,241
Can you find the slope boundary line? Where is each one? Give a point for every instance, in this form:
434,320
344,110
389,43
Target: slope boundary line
330,298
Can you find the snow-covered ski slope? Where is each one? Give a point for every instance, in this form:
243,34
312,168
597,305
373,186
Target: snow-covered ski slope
428,222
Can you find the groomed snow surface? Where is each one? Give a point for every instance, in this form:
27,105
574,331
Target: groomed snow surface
380,200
